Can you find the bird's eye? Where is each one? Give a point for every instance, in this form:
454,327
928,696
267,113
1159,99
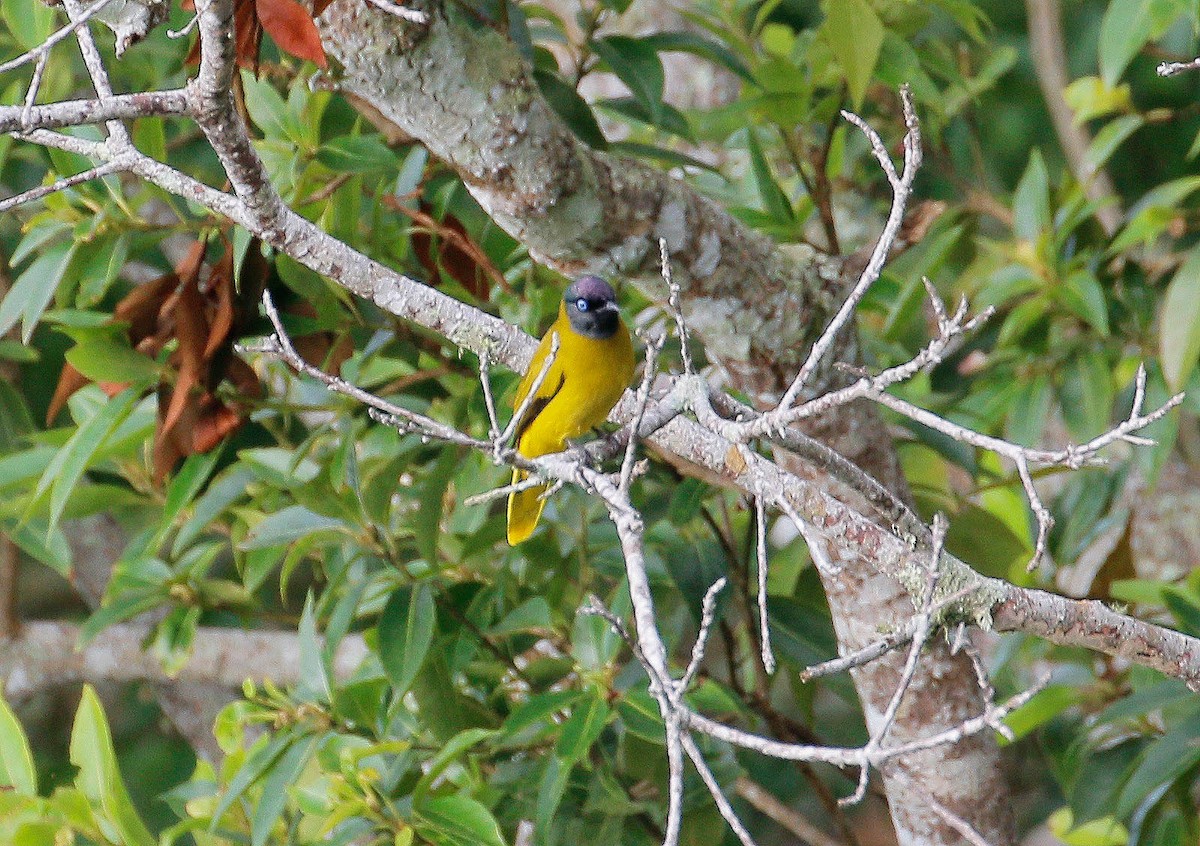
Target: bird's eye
581,304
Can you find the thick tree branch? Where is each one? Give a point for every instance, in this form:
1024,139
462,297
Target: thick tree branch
45,654
1050,64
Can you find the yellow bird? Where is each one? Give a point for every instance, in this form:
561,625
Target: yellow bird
593,366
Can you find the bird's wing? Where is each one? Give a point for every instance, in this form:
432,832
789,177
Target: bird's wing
550,386
546,393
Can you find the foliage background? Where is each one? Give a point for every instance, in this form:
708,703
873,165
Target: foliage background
310,516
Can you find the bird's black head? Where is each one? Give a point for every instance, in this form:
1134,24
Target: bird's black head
592,307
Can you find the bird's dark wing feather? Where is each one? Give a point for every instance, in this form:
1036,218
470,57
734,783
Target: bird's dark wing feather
535,408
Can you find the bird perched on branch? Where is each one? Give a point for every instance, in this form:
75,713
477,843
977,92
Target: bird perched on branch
591,369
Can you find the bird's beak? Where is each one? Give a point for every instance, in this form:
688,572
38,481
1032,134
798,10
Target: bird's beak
613,307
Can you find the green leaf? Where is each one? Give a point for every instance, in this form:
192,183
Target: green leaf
587,720
427,521
1030,409
1047,704
15,419
405,634
573,109
636,63
315,671
1126,27
357,154
1090,98
698,45
1179,323
448,754
268,110
1111,136
1086,394
102,360
69,463
773,199
531,615
188,483
16,760
34,288
854,34
1107,831
98,777
1031,201
290,524
641,716
1184,608
284,773
1081,293
1163,761
456,821
258,763
539,709
29,21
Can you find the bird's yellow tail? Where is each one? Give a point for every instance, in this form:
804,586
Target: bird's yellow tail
524,510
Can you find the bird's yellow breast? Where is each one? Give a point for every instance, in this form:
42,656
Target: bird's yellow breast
585,381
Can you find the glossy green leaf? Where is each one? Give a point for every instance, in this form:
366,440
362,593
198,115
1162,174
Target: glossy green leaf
69,464
357,154
103,360
774,201
532,615
449,753
1086,394
539,709
98,777
284,773
1163,761
854,33
290,524
29,21
636,63
1126,27
456,821
587,720
1111,136
698,45
33,290
1031,201
16,760
427,521
1179,323
573,109
405,634
1081,293
251,771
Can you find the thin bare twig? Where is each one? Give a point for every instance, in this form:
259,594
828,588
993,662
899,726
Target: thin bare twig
675,307
901,189
764,624
60,185
792,820
40,51
1173,68
642,398
708,610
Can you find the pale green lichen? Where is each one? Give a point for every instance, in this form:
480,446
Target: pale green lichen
955,577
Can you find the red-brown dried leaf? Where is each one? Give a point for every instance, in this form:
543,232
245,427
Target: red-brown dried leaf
242,376
248,32
191,330
142,309
217,421
464,265
69,381
292,28
220,286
